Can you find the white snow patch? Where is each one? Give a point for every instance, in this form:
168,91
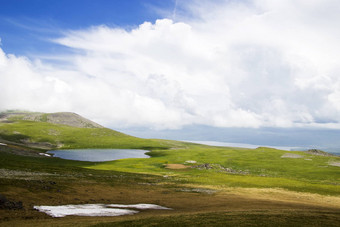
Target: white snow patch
141,206
3,144
83,210
95,209
44,154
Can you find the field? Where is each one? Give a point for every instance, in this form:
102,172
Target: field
204,185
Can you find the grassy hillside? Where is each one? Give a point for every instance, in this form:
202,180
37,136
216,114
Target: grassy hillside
215,166
48,135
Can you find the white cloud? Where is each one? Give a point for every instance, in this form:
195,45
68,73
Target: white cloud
230,64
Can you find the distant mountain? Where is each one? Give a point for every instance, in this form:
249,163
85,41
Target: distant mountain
64,118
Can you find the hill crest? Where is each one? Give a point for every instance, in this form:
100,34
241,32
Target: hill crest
64,118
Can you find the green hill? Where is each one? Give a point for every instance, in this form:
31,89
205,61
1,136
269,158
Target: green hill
66,131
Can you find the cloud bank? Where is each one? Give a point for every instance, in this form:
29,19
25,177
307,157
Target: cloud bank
253,63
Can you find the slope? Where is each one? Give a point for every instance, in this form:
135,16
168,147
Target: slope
65,131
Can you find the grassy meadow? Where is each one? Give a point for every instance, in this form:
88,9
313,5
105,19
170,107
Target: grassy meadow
223,186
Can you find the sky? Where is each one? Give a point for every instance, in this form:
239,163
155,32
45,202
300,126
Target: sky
167,65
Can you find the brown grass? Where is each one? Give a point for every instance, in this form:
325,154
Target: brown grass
230,200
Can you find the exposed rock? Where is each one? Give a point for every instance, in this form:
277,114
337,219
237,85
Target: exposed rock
199,190
290,155
334,164
220,168
318,152
190,162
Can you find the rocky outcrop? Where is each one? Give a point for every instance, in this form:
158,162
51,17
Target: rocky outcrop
318,152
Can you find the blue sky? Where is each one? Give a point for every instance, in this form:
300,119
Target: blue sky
27,25
176,64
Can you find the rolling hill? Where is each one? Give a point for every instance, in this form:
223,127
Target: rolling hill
66,130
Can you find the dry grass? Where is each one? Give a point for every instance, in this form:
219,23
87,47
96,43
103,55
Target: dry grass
279,195
237,202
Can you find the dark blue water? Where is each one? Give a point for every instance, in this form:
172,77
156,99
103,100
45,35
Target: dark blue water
98,155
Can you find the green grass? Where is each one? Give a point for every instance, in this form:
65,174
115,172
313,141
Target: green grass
71,137
264,167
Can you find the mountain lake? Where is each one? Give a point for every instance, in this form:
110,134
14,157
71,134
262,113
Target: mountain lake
98,155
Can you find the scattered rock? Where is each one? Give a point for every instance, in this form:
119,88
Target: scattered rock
318,152
220,168
16,174
198,190
334,164
190,162
290,155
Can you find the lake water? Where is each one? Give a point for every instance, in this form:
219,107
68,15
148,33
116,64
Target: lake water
98,155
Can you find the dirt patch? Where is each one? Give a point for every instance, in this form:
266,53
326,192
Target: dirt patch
175,166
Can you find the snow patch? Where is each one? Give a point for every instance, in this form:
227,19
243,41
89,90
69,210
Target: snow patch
141,206
44,154
95,209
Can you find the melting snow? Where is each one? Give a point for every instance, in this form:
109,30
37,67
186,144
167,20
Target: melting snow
95,209
44,154
140,206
